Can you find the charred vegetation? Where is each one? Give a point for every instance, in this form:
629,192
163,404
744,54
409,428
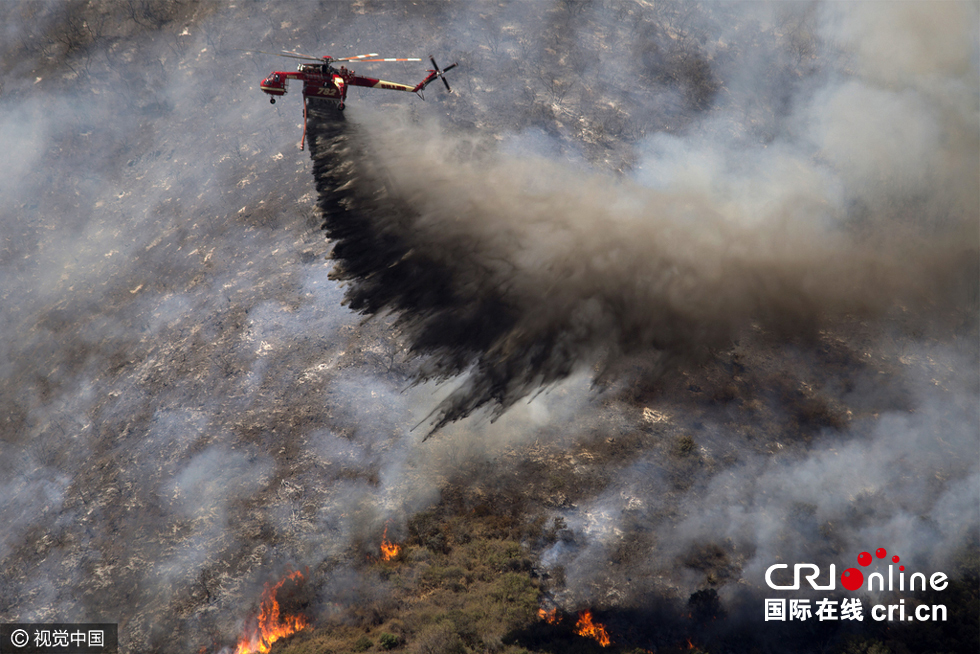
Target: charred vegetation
203,392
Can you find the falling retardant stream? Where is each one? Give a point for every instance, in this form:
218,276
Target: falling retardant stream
511,273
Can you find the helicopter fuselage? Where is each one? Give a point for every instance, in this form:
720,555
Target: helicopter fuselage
325,82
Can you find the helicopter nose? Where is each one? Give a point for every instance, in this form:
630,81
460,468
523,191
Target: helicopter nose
272,86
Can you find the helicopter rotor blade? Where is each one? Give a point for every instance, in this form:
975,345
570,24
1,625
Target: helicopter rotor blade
275,54
300,55
443,76
290,55
357,57
365,58
368,61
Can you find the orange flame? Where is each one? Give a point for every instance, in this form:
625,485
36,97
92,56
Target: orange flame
594,630
690,645
551,616
271,625
389,550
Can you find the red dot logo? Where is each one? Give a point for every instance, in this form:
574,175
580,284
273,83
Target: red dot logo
851,579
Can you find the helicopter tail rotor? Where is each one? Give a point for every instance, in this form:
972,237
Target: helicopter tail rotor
434,74
441,73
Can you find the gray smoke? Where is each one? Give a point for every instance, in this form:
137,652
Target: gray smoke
514,268
519,270
774,206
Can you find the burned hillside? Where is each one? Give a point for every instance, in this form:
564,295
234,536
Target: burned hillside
662,294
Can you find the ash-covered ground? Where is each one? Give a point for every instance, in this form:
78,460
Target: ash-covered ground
681,290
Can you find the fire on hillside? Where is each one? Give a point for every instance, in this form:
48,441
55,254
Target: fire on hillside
271,624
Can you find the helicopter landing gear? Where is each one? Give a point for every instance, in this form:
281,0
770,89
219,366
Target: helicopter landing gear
272,100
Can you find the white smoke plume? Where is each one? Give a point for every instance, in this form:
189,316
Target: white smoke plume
755,225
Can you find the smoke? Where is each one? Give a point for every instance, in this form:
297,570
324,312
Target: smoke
513,267
755,227
519,270
905,480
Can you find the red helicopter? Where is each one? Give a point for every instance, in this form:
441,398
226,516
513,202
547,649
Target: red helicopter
323,81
